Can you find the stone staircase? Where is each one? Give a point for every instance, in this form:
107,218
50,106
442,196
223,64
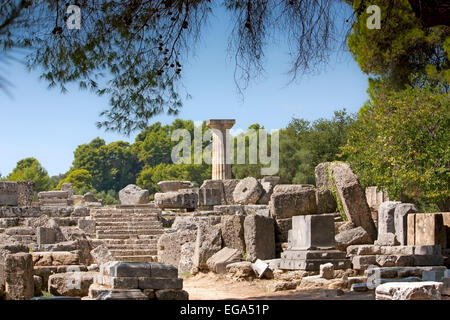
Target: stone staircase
131,233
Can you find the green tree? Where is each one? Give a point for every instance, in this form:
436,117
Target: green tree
305,144
149,177
111,166
29,169
400,142
80,179
402,48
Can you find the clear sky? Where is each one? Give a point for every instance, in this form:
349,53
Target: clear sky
45,124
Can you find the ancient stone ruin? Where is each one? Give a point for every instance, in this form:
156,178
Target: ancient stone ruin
293,236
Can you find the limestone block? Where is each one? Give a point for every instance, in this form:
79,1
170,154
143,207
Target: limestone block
171,294
259,234
233,231
352,197
327,271
56,258
426,229
401,221
386,225
73,284
18,276
101,254
426,290
169,245
211,193
160,283
350,237
122,294
312,231
219,261
241,270
186,263
260,209
267,192
87,225
118,282
296,200
228,186
181,199
321,174
262,269
247,191
174,185
229,209
132,195
208,242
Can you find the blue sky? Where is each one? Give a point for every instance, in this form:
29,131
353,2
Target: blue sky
45,124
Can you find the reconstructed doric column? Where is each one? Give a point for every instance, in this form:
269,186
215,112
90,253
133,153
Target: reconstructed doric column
220,168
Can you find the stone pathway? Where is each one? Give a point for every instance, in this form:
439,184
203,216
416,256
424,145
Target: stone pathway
131,233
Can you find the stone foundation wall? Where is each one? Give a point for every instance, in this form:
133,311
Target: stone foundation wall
16,193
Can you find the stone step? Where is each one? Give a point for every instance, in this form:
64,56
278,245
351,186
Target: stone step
127,227
131,231
126,223
125,220
132,246
133,252
119,235
130,241
119,214
143,258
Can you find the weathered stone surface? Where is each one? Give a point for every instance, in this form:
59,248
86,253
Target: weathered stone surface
118,282
342,226
260,209
87,226
312,231
426,229
292,200
282,227
20,231
192,222
18,276
321,174
45,235
122,294
56,258
426,290
181,199
67,187
247,191
267,192
233,232
327,271
241,270
352,197
160,283
259,235
394,260
170,294
219,261
281,286
73,284
132,195
401,221
16,193
37,222
228,186
174,185
229,209
73,233
352,237
262,269
386,224
363,262
169,245
186,263
211,193
101,255
325,201
208,242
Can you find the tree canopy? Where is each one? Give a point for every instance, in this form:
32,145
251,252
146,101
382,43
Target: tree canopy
29,169
134,51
